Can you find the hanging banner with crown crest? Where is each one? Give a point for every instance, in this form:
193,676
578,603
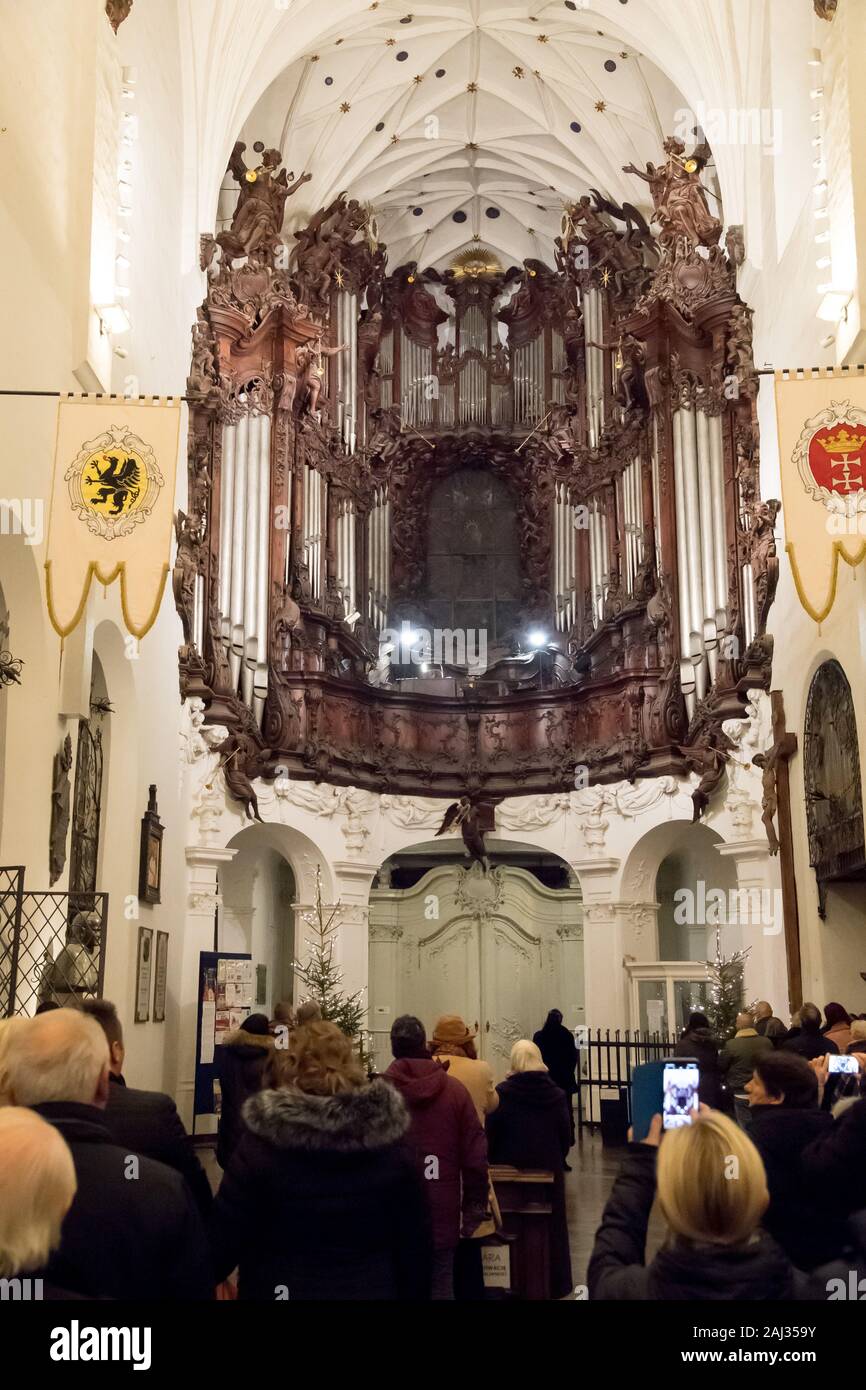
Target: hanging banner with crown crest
112,504
821,419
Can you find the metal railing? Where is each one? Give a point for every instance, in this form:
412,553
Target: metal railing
605,1064
39,957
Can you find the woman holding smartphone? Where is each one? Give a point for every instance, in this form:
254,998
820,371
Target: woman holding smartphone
712,1191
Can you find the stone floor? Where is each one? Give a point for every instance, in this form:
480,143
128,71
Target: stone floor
594,1169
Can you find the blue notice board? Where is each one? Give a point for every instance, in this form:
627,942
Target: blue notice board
219,1009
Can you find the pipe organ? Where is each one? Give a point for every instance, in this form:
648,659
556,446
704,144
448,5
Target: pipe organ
625,485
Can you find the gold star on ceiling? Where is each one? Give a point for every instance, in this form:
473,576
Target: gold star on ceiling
314,57
518,71
471,146
345,106
417,79
472,86
542,38
394,139
389,43
601,106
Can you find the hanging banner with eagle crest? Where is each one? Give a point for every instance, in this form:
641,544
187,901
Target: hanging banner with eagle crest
112,503
822,445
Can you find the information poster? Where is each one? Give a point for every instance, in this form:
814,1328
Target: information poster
226,986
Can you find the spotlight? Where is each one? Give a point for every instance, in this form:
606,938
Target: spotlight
536,638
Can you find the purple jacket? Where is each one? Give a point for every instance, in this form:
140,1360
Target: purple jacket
448,1144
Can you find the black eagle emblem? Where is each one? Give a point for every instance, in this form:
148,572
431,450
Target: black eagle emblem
118,480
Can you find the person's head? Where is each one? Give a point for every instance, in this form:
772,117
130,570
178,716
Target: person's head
858,1029
284,1014
810,1018
775,1029
744,1020
763,1010
408,1038
308,1012
60,1056
698,1199
525,1056
554,1019
105,1014
452,1037
319,1060
833,1014
783,1078
46,1007
37,1185
257,1024
697,1020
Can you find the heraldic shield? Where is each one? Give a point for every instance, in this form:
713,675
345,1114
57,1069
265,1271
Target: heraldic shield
822,446
112,504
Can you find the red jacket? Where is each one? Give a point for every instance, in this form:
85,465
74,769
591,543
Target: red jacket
448,1144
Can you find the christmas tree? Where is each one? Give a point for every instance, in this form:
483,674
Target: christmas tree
323,977
726,990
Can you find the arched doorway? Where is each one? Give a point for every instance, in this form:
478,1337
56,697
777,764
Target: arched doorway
499,948
257,915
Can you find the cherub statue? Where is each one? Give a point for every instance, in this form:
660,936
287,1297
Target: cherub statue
313,372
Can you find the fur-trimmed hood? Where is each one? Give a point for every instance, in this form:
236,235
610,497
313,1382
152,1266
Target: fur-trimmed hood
248,1044
372,1117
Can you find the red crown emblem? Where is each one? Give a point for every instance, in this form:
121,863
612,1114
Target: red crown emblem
837,458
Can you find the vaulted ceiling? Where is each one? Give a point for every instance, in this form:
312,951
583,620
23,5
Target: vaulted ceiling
466,122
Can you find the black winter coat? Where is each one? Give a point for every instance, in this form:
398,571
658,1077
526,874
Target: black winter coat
322,1200
756,1270
530,1129
240,1062
147,1122
834,1163
124,1237
807,1044
794,1218
559,1052
701,1044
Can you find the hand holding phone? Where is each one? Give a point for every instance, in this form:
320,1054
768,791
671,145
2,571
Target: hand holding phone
845,1066
680,1083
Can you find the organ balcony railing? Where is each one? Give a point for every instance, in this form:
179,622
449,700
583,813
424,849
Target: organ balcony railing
613,417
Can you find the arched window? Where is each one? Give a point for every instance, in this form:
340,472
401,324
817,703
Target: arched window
834,794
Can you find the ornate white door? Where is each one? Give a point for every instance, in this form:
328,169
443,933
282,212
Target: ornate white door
512,978
443,975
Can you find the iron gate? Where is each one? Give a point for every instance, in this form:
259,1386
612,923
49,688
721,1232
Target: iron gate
41,955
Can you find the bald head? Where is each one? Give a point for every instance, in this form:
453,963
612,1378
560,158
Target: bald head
745,1020
763,1010
59,1056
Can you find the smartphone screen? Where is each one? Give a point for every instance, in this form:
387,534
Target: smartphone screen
849,1065
679,1093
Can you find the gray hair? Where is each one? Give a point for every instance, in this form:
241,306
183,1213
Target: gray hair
58,1056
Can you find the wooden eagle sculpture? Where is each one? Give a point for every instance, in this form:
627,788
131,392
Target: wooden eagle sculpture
466,814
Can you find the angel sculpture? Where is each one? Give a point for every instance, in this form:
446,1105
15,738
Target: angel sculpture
464,814
242,761
707,758
258,215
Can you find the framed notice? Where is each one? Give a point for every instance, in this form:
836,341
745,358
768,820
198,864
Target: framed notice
144,971
160,977
496,1263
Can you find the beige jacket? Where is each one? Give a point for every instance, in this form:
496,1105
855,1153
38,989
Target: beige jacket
477,1077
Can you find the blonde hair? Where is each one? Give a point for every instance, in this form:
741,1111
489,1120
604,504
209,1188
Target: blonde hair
525,1056
37,1185
858,1029
60,1055
711,1181
319,1060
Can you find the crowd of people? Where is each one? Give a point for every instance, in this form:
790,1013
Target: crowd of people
342,1184
763,1193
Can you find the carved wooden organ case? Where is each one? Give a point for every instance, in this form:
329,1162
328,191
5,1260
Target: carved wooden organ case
612,398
